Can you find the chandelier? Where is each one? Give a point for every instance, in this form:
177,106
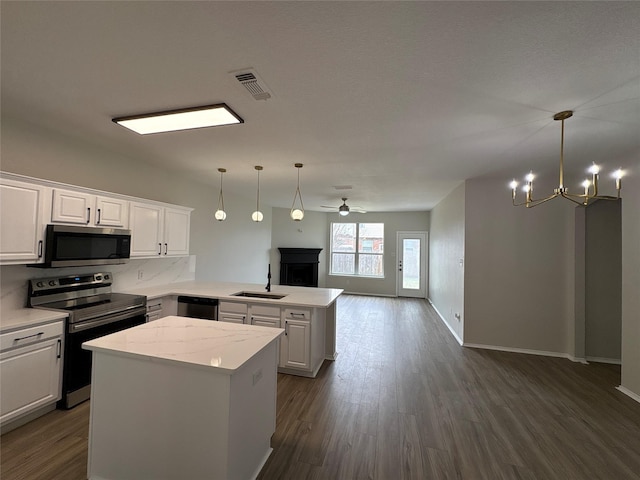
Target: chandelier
590,186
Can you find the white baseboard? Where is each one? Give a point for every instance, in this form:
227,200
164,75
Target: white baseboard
613,361
453,332
370,294
629,393
525,351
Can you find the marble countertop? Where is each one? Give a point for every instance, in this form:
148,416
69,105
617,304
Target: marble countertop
200,343
27,317
295,296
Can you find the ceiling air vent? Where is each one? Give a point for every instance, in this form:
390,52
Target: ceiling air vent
250,80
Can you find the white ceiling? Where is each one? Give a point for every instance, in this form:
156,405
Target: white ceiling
401,100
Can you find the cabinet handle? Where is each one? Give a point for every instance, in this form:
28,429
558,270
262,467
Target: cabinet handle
166,248
40,244
159,249
294,314
59,354
98,219
286,324
15,340
88,214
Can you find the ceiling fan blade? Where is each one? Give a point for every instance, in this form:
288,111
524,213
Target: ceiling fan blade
327,206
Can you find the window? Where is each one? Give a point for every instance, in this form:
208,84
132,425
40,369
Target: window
357,249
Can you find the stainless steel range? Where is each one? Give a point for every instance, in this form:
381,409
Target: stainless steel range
94,311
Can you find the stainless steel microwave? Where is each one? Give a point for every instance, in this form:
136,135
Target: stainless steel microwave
69,246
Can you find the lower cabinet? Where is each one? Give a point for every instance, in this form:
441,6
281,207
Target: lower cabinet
301,348
232,312
161,307
30,368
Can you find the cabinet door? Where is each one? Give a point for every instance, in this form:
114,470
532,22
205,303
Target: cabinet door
21,221
296,344
176,232
112,212
145,221
72,207
30,378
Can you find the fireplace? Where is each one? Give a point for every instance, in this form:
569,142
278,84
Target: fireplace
299,266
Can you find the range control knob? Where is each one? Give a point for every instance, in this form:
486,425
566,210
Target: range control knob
52,283
40,284
106,277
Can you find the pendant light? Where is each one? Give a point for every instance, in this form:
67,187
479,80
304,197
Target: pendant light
297,214
220,213
257,215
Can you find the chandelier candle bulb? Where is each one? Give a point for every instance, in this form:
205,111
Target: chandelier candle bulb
586,184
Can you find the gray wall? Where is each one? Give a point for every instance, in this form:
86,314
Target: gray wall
446,254
519,275
631,277
393,222
603,276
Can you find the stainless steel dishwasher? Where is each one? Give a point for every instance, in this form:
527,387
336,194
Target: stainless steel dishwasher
198,307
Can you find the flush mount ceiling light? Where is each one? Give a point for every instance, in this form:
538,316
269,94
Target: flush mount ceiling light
257,215
297,214
181,119
220,213
590,186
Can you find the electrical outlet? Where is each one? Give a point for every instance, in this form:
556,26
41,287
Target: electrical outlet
257,376
140,274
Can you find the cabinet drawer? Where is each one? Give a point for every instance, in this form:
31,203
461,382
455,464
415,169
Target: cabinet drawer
297,313
27,336
232,317
232,307
266,310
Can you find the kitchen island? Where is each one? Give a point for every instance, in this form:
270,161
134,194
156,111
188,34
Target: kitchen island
182,398
307,314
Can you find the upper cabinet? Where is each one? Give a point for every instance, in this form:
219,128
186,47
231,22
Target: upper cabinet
27,205
22,207
159,231
79,208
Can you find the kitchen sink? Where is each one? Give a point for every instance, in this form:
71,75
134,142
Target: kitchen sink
271,296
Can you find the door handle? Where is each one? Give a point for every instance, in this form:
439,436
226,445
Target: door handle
98,219
88,214
166,248
159,249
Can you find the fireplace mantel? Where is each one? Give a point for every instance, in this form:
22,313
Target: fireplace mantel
299,266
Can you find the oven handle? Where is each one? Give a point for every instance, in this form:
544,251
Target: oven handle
108,318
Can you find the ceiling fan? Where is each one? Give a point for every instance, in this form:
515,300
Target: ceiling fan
344,209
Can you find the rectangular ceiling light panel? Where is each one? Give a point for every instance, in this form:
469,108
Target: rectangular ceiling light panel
183,119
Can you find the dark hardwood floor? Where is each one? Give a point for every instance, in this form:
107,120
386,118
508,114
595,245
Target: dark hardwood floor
404,401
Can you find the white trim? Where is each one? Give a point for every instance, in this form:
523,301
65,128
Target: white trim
613,361
370,294
525,351
453,332
629,393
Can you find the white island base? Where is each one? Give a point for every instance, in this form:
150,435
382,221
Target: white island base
153,417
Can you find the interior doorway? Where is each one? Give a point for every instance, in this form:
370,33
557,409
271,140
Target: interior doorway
411,264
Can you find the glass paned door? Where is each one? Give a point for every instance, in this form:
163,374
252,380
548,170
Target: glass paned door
412,264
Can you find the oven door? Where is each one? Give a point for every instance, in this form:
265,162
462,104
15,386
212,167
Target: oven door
76,376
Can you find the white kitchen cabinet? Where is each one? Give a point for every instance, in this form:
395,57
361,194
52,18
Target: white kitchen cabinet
80,208
295,347
159,231
22,221
154,309
232,312
264,315
161,307
30,367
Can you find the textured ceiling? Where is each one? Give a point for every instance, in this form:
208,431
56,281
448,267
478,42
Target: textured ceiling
401,100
